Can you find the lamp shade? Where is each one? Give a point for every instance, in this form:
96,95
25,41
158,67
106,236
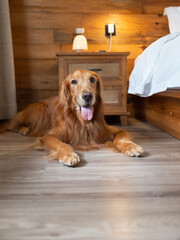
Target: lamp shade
80,43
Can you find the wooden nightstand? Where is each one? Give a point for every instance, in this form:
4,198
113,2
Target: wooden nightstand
112,69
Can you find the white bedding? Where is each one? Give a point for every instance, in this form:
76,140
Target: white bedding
173,14
157,68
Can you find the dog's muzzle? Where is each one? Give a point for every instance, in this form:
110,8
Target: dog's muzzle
86,108
87,97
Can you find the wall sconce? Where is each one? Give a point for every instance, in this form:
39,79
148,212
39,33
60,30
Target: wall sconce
80,42
110,30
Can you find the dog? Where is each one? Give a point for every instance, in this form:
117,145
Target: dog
74,120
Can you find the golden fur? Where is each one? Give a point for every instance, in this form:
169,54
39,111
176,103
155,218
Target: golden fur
59,123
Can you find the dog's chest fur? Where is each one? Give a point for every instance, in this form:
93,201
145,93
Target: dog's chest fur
86,134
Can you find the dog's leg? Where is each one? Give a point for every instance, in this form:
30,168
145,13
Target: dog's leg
61,151
122,142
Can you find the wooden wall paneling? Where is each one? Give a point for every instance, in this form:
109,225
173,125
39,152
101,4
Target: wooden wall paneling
35,94
36,66
130,66
145,24
28,96
64,35
147,40
157,6
97,36
39,51
36,74
32,35
71,6
36,81
45,20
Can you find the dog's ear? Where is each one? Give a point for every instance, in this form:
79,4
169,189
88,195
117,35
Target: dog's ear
99,87
64,90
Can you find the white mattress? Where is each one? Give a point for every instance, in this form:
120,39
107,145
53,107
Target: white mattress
157,68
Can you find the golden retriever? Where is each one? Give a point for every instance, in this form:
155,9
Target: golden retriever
73,120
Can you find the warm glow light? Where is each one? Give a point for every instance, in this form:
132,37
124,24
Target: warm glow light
80,43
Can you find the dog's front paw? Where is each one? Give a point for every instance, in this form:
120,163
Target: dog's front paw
71,159
130,149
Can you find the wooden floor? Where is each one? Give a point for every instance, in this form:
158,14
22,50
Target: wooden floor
109,196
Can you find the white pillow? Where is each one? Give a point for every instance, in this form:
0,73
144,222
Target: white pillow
173,14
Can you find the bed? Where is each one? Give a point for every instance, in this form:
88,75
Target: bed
163,110
156,79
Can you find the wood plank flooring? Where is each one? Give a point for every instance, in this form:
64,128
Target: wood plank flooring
108,196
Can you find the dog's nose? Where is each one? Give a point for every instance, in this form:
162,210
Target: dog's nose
87,96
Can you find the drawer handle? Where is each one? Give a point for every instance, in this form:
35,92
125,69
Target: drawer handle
95,69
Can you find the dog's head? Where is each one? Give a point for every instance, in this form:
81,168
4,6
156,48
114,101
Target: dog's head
81,90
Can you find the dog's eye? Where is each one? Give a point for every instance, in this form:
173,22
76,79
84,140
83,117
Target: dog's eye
92,79
74,82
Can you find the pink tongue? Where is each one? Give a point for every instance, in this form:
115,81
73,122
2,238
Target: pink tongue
87,112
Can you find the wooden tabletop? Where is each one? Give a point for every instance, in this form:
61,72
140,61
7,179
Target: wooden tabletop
92,53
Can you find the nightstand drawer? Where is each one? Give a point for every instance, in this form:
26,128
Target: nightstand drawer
104,70
112,96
